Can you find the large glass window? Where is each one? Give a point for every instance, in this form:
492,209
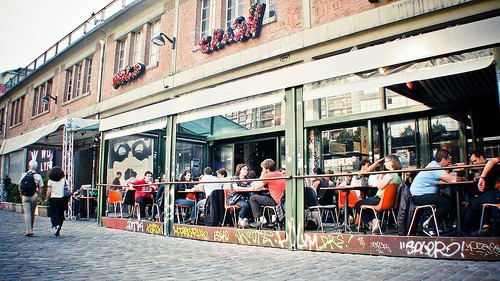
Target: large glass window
445,134
189,156
401,140
342,148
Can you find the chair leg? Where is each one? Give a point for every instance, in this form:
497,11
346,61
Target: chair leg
481,221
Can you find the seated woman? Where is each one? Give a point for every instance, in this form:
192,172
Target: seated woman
391,163
183,198
240,199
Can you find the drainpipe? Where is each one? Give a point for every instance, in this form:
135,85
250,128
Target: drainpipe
101,67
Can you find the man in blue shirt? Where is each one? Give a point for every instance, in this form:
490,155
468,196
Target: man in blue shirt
424,189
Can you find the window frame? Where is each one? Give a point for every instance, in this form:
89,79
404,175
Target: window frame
154,51
78,79
210,17
39,107
238,6
17,108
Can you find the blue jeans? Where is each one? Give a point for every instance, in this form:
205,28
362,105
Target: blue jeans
190,203
245,207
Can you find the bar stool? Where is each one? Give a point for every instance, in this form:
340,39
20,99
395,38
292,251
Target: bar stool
156,208
423,207
486,205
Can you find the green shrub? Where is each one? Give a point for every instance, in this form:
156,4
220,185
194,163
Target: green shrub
12,191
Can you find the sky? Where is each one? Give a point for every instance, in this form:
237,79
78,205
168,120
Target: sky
28,28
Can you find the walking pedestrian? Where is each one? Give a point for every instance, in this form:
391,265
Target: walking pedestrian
55,194
30,188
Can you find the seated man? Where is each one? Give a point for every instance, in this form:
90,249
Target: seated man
489,186
276,190
424,189
207,187
143,194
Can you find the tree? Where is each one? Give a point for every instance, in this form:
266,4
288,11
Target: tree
407,132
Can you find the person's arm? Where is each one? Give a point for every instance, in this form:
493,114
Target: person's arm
384,182
49,190
487,168
374,165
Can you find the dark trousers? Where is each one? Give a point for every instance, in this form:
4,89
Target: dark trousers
143,201
368,214
257,202
473,212
443,204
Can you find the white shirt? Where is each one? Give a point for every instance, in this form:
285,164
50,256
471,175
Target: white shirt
37,177
209,187
57,188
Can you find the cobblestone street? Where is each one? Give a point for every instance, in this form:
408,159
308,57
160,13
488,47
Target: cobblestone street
85,251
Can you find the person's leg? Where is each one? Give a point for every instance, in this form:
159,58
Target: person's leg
34,201
142,206
367,215
190,203
27,212
256,202
245,208
443,204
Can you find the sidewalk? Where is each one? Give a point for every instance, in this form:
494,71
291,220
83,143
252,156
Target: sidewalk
85,251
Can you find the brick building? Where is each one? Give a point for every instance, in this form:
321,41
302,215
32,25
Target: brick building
307,83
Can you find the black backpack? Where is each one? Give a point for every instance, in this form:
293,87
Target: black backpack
28,184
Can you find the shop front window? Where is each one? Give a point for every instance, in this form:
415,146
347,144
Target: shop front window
445,134
343,148
401,141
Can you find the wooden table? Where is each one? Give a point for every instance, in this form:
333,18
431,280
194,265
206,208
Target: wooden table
346,190
456,186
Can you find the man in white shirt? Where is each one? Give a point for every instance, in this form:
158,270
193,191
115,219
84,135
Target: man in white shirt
207,187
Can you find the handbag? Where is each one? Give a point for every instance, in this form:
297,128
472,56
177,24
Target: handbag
235,198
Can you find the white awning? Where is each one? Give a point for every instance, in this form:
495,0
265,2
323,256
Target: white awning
160,124
27,138
411,72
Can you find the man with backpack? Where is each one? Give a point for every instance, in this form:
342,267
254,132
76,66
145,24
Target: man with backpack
30,188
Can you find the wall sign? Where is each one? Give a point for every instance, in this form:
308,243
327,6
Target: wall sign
241,31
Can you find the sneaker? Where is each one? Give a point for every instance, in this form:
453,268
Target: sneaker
429,231
258,225
375,225
242,223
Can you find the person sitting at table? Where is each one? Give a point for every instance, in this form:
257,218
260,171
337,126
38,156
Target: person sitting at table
391,163
319,182
425,191
359,180
241,199
206,187
222,175
188,199
489,186
116,182
143,193
276,190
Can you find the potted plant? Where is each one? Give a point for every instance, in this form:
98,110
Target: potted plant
43,205
13,196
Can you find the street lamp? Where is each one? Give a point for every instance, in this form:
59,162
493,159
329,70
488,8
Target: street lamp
159,41
45,99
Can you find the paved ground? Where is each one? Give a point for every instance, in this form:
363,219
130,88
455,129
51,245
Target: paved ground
85,251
